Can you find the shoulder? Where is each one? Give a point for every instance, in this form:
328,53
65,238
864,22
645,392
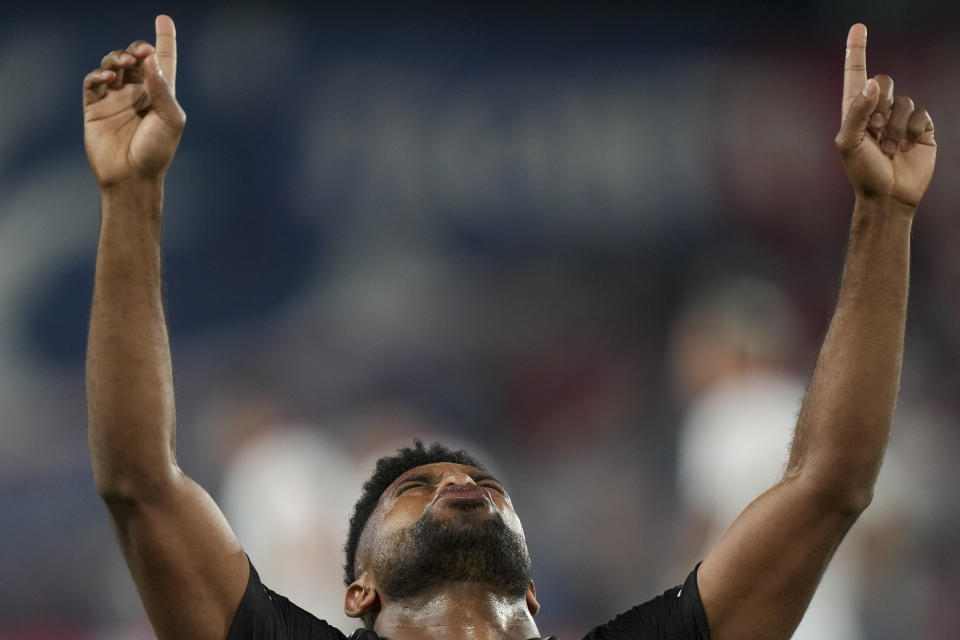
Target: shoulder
264,614
677,614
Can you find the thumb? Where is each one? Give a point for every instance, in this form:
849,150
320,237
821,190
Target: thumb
854,125
160,92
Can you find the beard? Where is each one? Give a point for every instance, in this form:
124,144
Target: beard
471,550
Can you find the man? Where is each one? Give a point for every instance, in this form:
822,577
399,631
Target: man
436,549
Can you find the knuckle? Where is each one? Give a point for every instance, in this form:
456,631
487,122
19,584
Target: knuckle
886,85
917,125
178,118
903,102
111,58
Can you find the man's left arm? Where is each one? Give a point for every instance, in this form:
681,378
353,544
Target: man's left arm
758,579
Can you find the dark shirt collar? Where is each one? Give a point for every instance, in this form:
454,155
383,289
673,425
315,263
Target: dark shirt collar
367,634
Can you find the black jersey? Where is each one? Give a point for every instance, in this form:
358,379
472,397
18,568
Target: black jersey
676,615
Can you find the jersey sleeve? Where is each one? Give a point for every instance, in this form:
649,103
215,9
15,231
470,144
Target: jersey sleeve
676,615
266,615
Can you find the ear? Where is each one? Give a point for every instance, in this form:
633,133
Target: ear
532,603
362,597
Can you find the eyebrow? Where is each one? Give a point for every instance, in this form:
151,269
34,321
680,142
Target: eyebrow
427,477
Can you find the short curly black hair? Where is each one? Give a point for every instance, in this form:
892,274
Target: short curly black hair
388,469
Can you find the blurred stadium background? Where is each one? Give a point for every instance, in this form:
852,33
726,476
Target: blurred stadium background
550,235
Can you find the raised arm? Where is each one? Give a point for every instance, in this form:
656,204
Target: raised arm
188,567
758,579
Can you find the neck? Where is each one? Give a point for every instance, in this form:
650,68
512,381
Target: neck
456,612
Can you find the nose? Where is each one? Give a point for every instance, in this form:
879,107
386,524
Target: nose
454,481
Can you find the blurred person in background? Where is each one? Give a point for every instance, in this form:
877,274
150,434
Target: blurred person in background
734,349
435,548
269,495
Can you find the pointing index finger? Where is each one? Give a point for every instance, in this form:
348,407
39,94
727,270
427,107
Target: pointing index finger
855,65
167,47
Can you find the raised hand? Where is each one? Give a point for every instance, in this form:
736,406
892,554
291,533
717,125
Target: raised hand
132,121
887,144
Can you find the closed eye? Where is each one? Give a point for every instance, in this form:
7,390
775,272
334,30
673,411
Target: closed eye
493,485
410,486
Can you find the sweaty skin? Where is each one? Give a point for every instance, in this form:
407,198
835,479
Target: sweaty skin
755,583
455,611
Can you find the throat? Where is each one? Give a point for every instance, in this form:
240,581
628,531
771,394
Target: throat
457,612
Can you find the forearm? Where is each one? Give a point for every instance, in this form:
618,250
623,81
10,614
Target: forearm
846,415
130,404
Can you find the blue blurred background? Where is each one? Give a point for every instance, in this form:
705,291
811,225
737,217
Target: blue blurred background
564,238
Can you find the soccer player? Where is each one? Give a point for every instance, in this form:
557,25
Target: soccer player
436,549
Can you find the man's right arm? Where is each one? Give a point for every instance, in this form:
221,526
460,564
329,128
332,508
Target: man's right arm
188,566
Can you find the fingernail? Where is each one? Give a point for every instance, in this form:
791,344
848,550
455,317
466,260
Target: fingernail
876,120
871,88
904,144
889,146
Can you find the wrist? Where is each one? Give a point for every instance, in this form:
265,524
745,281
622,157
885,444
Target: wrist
136,196
132,208
883,206
132,187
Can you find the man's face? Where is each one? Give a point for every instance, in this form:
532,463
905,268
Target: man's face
441,523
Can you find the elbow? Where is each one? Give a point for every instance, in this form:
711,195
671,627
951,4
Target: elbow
853,502
114,490
847,498
840,479
122,490
125,473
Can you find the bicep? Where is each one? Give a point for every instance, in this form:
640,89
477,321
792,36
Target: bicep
189,568
757,581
